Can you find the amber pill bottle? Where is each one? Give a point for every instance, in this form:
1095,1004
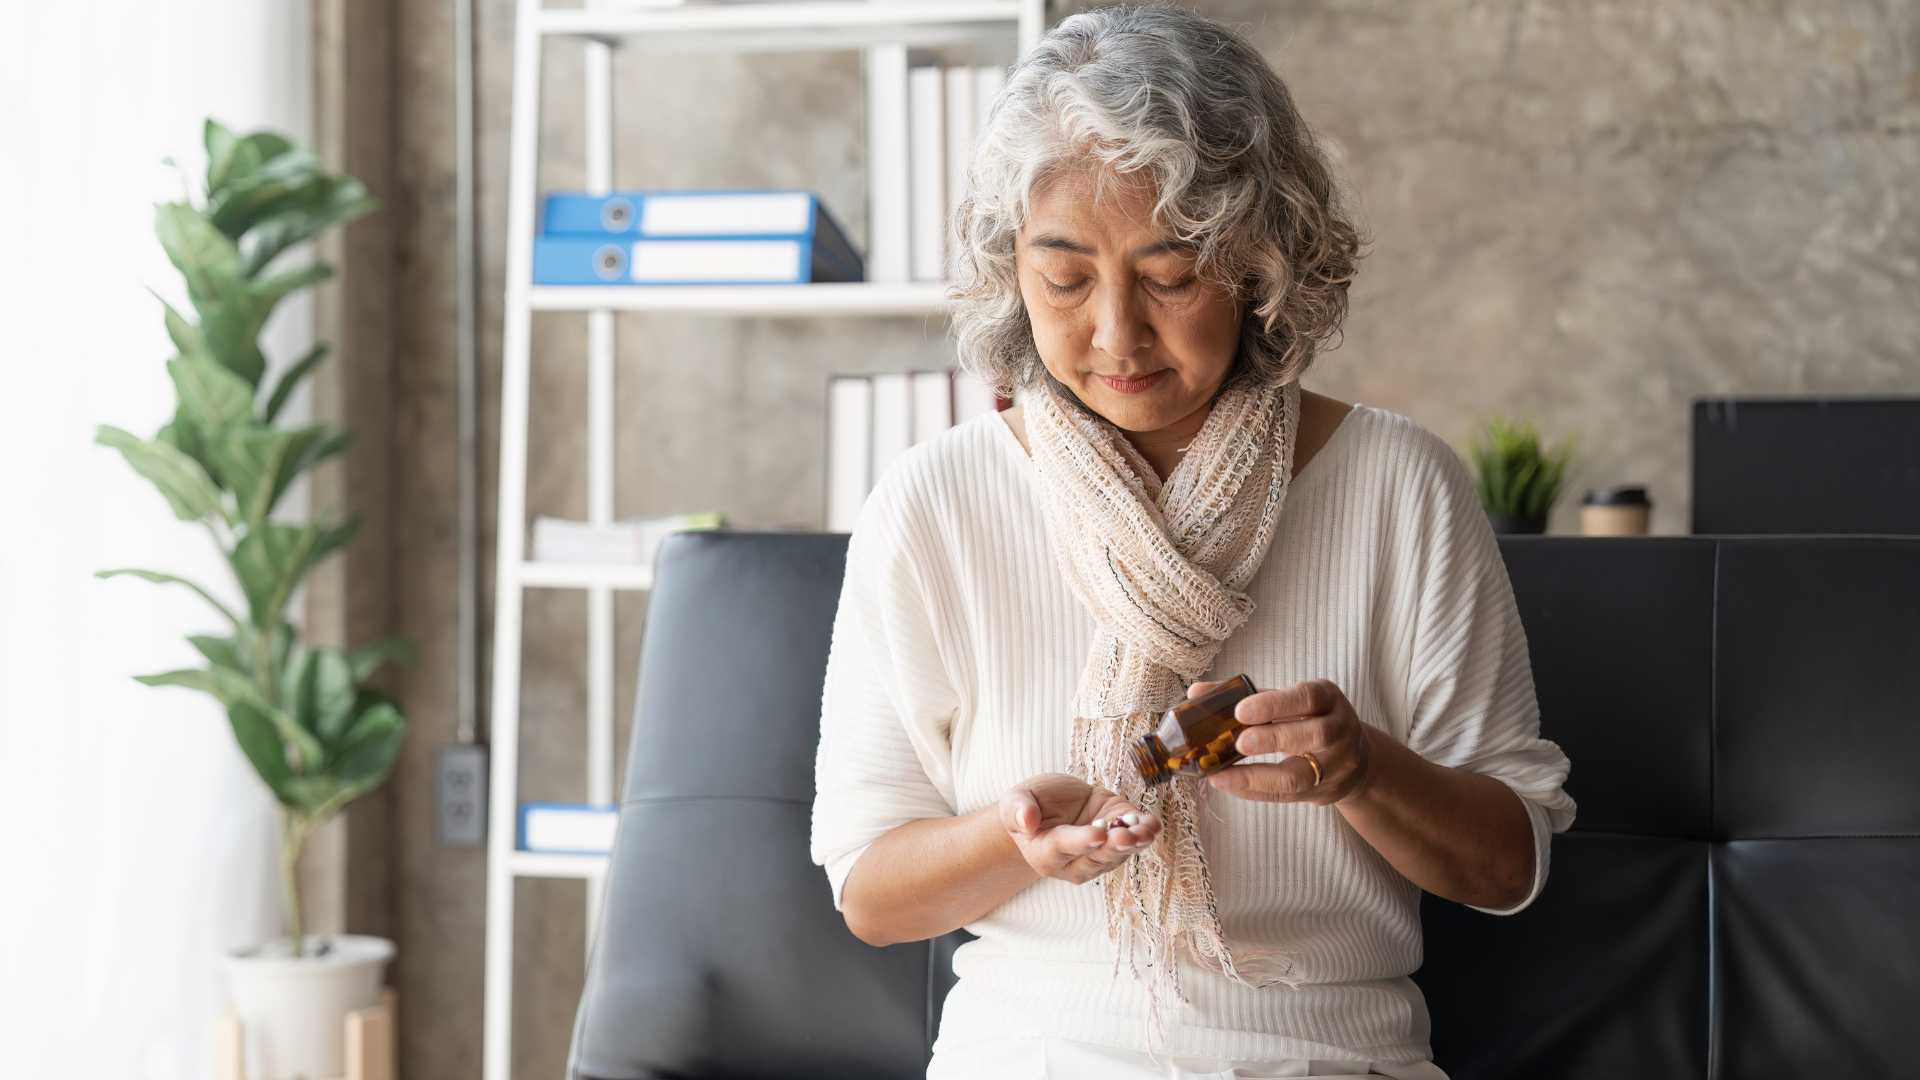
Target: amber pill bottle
1194,738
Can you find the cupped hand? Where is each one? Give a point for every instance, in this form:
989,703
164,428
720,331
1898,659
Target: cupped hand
1071,830
1312,717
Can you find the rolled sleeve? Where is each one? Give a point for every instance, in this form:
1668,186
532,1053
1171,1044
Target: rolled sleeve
1472,701
887,704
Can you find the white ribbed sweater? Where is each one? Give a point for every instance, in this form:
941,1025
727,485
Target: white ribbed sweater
955,653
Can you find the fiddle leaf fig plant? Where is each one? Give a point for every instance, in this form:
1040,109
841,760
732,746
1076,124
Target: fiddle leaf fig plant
318,736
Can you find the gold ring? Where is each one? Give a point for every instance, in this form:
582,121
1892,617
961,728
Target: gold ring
1315,762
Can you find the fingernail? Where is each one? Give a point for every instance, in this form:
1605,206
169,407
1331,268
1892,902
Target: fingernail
1095,843
1099,823
1131,819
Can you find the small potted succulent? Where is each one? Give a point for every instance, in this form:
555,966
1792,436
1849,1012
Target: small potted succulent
1519,478
303,715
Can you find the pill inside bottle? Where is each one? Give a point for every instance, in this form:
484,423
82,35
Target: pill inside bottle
1195,737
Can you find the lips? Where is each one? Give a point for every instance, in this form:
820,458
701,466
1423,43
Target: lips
1135,384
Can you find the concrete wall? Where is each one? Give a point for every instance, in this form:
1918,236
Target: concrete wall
1585,211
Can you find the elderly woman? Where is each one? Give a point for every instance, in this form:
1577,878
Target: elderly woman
1151,253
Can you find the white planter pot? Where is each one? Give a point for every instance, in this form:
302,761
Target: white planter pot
294,1010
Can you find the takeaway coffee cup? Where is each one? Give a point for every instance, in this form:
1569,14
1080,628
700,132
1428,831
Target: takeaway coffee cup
1617,511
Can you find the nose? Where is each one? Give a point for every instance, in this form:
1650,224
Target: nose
1120,327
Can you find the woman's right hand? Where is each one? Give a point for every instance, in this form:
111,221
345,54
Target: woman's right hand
1071,830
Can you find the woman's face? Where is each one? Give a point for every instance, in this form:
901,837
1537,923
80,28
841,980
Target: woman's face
1118,314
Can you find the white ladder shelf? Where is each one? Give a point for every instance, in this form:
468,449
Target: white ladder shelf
601,26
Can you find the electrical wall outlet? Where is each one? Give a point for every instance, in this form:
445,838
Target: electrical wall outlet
460,795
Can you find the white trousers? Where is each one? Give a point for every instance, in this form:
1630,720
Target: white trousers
1065,1059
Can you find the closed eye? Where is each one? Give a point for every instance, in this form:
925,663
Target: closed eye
1170,287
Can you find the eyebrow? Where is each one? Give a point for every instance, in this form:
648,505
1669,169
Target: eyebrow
1056,242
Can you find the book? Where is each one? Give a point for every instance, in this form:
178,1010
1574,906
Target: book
790,260
892,419
987,82
960,93
888,214
927,170
872,419
687,215
849,449
630,542
932,404
567,828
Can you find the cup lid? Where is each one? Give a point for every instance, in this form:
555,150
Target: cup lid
1629,495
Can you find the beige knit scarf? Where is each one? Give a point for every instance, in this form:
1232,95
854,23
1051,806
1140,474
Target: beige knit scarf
1163,569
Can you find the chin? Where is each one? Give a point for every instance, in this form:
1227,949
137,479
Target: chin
1129,412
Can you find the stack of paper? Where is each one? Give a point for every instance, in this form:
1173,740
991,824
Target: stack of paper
620,542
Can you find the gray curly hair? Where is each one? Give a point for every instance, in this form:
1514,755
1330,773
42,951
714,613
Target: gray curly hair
1157,92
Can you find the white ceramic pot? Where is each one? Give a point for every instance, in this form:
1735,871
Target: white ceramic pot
294,1010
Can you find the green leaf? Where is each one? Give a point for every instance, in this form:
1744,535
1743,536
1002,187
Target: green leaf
271,560
1547,488
229,686
221,652
330,445
339,200
324,694
231,330
248,156
368,750
184,435
185,335
1526,472
364,758
290,380
270,290
220,144
274,187
279,648
319,795
369,658
1497,495
259,463
159,578
186,485
212,394
252,461
232,689
208,260
260,741
230,315
284,661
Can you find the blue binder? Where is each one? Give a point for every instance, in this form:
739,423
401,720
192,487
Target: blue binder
782,260
528,809
625,214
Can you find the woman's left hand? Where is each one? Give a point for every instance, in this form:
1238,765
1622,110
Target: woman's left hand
1312,717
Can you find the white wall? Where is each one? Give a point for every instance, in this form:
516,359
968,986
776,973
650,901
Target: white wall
138,844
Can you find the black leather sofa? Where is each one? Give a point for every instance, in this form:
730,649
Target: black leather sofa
1740,897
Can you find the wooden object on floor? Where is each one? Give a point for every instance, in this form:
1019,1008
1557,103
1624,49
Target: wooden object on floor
369,1035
